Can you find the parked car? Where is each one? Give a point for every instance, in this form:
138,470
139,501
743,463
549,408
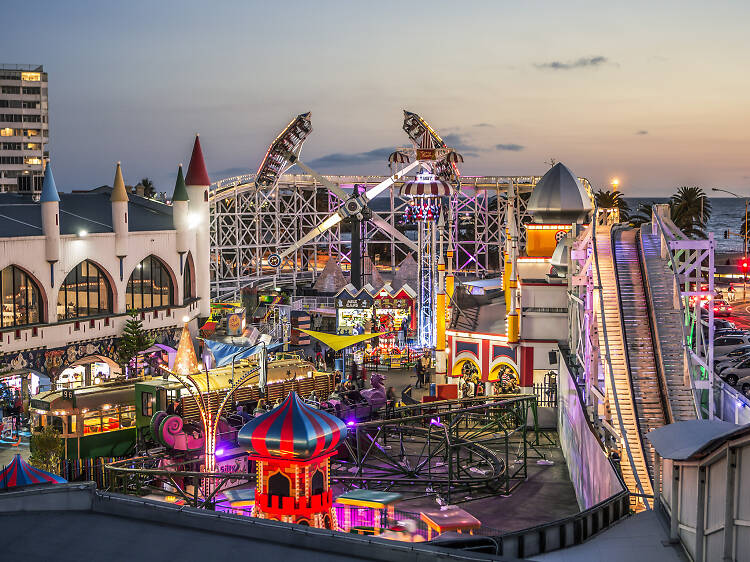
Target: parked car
728,343
727,332
734,354
738,375
720,323
743,385
725,361
721,307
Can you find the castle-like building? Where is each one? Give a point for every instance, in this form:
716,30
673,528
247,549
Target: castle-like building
74,264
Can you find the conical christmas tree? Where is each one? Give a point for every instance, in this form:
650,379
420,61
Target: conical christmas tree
186,362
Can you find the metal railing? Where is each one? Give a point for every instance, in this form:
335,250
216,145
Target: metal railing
313,303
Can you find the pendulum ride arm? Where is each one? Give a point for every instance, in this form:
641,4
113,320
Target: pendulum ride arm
351,207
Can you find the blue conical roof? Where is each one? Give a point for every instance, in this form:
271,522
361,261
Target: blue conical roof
49,189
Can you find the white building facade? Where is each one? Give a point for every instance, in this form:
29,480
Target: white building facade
73,265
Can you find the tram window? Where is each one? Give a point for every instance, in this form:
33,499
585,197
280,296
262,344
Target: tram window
147,404
127,416
57,423
71,424
92,422
162,393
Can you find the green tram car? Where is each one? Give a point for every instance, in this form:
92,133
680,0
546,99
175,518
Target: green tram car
108,420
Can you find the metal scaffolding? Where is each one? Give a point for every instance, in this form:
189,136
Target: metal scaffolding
251,222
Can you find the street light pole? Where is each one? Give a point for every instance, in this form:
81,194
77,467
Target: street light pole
744,235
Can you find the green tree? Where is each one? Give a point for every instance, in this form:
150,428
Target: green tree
134,339
46,449
612,200
642,215
690,210
148,187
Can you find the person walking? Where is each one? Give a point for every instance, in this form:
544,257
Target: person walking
353,373
425,360
390,401
420,374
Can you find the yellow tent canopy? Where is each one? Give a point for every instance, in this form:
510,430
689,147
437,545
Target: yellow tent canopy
337,343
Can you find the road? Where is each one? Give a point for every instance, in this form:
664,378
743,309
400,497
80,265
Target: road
740,314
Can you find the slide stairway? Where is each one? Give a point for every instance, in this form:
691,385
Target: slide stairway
634,397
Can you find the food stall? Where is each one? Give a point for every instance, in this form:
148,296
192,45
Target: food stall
392,309
354,310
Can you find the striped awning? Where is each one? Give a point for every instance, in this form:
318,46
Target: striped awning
20,473
435,188
398,158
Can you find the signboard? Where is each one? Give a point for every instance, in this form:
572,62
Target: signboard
233,464
235,323
400,304
40,404
353,303
69,395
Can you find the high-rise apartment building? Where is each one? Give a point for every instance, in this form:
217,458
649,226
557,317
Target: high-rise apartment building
24,128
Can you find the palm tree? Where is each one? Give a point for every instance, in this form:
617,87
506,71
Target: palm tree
612,200
690,210
642,215
148,187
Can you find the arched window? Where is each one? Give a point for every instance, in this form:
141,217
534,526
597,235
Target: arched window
279,485
21,298
188,276
318,483
150,286
85,292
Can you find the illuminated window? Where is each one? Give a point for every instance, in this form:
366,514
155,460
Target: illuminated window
85,292
31,76
149,286
33,146
32,161
6,132
32,132
20,298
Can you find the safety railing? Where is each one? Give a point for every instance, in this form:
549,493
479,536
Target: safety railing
691,255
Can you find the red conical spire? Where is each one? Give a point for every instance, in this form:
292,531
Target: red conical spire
196,173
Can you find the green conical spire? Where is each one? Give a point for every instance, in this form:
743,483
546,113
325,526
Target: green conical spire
180,191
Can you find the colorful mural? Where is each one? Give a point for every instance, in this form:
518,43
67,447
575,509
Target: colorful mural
52,362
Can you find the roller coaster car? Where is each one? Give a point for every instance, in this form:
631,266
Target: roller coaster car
175,434
359,405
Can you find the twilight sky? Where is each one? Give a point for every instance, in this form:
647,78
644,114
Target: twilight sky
655,93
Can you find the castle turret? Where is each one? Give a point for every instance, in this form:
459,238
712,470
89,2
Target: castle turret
50,201
180,213
197,183
119,201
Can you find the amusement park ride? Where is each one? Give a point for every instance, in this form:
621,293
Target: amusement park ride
437,179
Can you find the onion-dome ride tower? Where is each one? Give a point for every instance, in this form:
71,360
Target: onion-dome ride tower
292,445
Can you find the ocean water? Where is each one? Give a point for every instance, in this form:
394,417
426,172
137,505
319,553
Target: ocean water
727,213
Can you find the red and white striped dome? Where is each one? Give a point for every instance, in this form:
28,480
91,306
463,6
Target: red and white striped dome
434,188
